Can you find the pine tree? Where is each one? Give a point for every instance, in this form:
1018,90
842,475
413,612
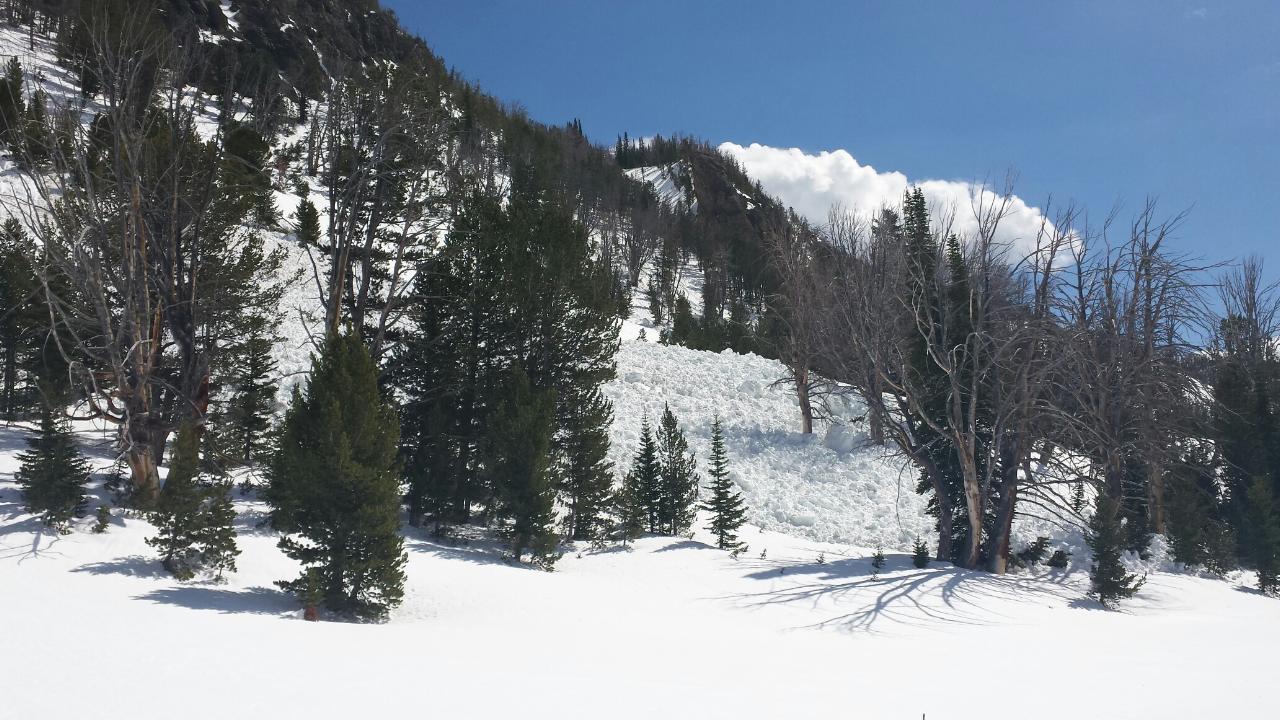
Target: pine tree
22,316
513,285
12,110
588,474
518,464
102,520
920,554
195,523
877,558
628,503
244,176
177,514
1109,581
678,483
308,227
1263,525
253,399
36,137
725,504
52,473
638,502
684,327
216,535
333,485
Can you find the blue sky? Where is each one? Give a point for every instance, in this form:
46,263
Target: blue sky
1095,101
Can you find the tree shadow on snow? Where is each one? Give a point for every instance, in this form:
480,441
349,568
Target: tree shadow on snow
899,594
253,521
130,565
684,545
43,540
478,550
256,600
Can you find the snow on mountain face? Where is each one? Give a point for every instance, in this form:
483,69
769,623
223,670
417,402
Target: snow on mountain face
668,183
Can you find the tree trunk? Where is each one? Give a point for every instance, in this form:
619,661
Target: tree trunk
1155,487
145,474
1004,522
802,395
1010,459
946,520
973,555
10,373
875,426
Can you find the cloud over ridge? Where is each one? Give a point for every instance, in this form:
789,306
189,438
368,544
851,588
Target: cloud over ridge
813,183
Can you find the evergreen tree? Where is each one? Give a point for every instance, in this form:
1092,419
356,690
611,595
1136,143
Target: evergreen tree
642,489
684,327
333,485
308,227
1109,581
254,387
27,367
588,474
52,472
725,503
177,515
244,176
513,285
678,483
102,520
12,110
36,136
216,535
1263,525
517,461
920,554
629,505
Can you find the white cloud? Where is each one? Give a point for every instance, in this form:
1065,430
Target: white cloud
813,184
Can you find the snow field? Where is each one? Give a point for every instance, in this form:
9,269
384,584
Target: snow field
669,628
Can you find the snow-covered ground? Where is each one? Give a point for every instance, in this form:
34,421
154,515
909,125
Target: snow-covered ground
669,628
799,626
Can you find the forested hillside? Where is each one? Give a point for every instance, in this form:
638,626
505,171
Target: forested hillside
287,257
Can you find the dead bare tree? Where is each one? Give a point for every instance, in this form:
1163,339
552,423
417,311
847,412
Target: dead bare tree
794,253
1129,310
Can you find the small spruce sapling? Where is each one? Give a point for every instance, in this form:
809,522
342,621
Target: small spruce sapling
102,519
52,473
920,555
877,560
1109,580
1059,559
1033,553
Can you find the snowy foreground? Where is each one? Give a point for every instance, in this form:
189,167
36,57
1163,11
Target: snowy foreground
670,628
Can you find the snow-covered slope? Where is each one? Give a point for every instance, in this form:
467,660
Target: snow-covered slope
671,183
668,628
856,493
